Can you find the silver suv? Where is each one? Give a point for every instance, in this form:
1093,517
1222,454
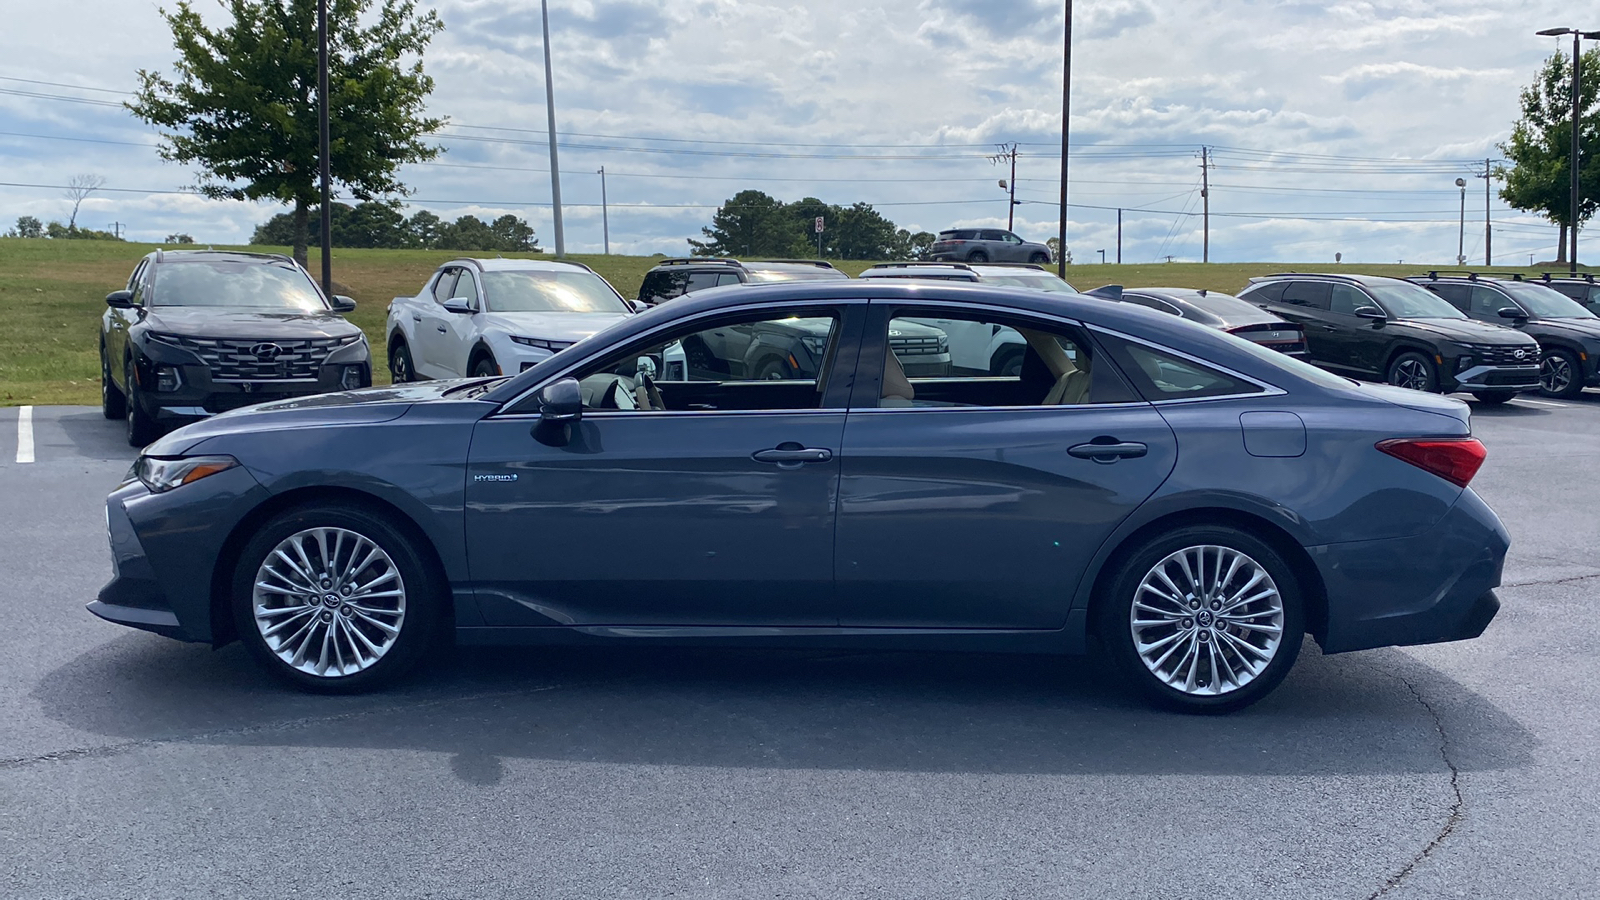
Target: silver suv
987,245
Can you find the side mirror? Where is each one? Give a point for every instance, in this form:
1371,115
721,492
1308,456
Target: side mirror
560,407
1371,312
638,306
120,300
1511,312
343,304
460,306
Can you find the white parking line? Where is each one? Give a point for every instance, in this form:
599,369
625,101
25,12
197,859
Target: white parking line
1545,403
25,434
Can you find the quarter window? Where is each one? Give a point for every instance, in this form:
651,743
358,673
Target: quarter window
1162,375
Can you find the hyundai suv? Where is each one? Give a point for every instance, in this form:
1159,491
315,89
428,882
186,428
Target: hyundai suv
981,245
1583,289
1568,334
198,332
671,278
1389,329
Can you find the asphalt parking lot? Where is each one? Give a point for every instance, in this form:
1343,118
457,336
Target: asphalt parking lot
134,766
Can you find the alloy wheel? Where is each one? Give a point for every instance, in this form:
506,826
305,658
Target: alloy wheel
1411,373
1555,374
329,602
1207,620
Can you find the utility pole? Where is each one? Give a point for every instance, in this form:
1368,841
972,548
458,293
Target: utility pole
1461,236
1009,152
1488,237
1066,109
605,217
1119,237
1205,203
550,109
1577,88
322,147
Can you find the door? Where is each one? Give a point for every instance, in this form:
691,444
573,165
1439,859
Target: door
978,502
714,508
1351,341
445,336
428,325
1306,302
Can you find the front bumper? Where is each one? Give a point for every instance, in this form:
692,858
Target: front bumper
1424,589
1498,378
164,550
199,396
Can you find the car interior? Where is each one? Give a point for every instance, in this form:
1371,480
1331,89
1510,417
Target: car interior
1056,371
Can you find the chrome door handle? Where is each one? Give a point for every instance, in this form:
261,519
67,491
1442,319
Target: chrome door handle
416,318
1109,451
792,455
443,330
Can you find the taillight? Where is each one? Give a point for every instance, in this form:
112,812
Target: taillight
1455,460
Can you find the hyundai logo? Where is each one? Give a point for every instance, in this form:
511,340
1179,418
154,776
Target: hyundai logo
1520,354
266,352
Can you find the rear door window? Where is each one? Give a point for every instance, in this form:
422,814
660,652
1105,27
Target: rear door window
1310,294
1457,295
1267,292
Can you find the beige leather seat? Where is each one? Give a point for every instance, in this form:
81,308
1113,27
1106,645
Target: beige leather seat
897,390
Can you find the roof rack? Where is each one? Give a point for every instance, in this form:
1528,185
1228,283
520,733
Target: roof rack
919,265
1014,265
1433,275
1336,277
819,263
1583,276
696,260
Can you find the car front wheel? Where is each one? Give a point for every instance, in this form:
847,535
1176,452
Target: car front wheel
113,405
484,368
142,427
400,368
1415,371
1039,258
978,256
1560,374
334,599
1204,619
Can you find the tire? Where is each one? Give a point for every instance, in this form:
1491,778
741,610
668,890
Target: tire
401,369
484,367
1415,371
1560,374
397,628
1006,365
1494,398
113,405
771,369
977,256
1039,258
142,427
1202,686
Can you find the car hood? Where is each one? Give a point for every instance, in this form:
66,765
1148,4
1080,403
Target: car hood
363,407
217,322
1467,330
1574,328
550,326
910,329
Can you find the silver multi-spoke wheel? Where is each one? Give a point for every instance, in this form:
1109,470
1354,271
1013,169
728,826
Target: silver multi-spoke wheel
1412,373
1555,374
329,602
1207,620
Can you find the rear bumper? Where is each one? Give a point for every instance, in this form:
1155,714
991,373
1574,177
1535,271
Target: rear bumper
1424,589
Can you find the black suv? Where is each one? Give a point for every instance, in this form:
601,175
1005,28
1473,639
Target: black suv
1568,334
1582,289
198,332
1388,329
671,278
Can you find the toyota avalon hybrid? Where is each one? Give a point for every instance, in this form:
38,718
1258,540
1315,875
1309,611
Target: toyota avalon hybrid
1191,500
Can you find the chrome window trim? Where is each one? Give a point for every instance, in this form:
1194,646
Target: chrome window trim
1267,389
559,374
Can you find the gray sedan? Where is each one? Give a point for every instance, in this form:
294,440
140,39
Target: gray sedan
1194,501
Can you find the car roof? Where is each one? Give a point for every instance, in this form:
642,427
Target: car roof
1326,276
165,256
501,264
945,272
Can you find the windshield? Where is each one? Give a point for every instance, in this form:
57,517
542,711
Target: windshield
1404,300
1545,303
537,291
1033,281
797,273
234,283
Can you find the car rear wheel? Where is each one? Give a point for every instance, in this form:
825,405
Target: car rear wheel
142,427
978,256
1415,371
400,368
1494,398
334,599
1560,374
772,369
113,405
1204,618
1039,258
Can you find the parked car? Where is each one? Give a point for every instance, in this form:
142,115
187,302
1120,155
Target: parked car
1223,312
1144,479
671,278
1568,334
922,272
199,332
477,317
1582,289
981,245
1388,329
1022,275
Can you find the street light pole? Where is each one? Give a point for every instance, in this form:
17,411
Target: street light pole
1461,238
605,216
322,147
550,109
1066,110
1577,102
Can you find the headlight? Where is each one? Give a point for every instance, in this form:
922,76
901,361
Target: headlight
815,344
160,337
162,475
552,346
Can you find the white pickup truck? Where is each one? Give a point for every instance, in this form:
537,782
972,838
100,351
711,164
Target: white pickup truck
479,317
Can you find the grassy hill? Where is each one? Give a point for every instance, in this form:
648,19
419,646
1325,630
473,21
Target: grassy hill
52,294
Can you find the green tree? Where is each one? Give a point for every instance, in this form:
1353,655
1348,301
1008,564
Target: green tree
1055,249
1540,148
512,233
179,239
372,224
424,227
750,223
242,104
861,232
28,227
918,245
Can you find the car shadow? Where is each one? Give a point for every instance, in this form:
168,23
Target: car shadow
915,712
91,435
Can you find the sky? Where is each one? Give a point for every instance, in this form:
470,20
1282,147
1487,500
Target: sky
1332,128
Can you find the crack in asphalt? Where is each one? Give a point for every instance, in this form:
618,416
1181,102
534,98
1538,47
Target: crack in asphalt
105,750
1457,807
1568,580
